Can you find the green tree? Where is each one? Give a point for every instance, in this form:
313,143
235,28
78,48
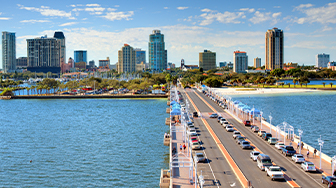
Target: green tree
323,84
331,84
277,72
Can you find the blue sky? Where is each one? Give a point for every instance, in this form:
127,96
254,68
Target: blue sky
102,27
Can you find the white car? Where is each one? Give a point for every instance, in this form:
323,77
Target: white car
308,166
229,128
274,172
235,134
254,155
279,145
199,157
192,132
298,158
222,120
195,145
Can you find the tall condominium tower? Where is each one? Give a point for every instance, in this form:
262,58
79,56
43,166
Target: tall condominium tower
8,52
59,35
80,56
240,62
140,56
126,59
207,60
43,54
257,62
274,49
322,60
157,55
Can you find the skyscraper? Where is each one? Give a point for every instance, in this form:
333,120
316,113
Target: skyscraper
240,62
257,62
80,56
207,60
322,60
126,59
8,52
157,55
43,54
140,55
59,35
274,49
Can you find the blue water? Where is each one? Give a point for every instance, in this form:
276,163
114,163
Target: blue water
82,143
313,112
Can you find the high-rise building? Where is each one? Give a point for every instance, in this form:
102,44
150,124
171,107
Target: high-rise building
126,59
240,62
222,64
59,35
80,56
8,52
43,54
274,49
140,56
157,55
91,64
322,60
21,63
105,62
257,62
207,60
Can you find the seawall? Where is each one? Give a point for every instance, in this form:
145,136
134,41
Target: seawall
89,96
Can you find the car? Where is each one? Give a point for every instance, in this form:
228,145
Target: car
193,138
229,128
190,123
222,120
274,172
239,139
266,136
247,123
225,123
308,166
214,115
191,127
192,132
195,114
298,158
187,87
288,150
254,155
235,134
199,157
279,145
219,118
245,145
195,145
264,161
329,180
272,141
260,133
255,129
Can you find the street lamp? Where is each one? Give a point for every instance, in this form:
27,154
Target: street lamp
300,134
261,113
270,117
321,142
333,163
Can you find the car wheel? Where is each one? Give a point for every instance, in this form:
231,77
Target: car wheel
322,182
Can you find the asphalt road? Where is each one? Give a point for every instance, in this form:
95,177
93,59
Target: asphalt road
249,168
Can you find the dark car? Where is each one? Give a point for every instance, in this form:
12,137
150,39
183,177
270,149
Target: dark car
187,87
330,180
219,118
195,114
247,123
266,136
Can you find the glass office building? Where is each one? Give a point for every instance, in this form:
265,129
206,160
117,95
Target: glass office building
157,55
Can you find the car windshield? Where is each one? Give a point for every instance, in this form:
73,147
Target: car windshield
273,139
214,114
311,165
192,130
267,161
236,133
276,169
200,155
333,180
245,143
193,138
289,148
195,143
241,138
256,153
299,156
229,126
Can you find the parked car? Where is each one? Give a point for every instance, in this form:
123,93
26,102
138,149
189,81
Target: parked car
222,120
279,145
266,136
298,158
195,114
288,150
214,115
329,180
254,155
240,139
245,145
308,166
219,118
229,128
199,157
274,172
193,138
263,161
192,132
195,145
260,133
225,123
235,134
255,129
272,141
247,123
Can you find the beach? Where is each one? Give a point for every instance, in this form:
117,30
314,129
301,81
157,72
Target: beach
252,91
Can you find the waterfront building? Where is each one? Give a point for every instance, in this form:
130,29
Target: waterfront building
332,65
126,59
21,63
274,49
66,67
257,62
240,62
91,64
80,56
113,66
322,60
141,67
171,65
222,64
290,65
43,54
60,36
157,55
105,62
207,60
140,55
8,52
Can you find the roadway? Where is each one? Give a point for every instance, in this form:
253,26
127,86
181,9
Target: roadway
249,168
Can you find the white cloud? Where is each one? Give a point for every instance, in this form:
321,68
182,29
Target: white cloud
111,9
5,18
46,11
84,19
226,17
165,8
189,19
93,5
277,7
264,16
119,15
72,5
247,9
116,6
68,24
98,9
182,8
96,13
77,9
326,28
324,15
34,21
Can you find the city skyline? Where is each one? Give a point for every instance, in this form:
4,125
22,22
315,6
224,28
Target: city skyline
189,28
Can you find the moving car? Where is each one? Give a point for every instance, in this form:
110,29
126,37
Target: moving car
222,120
279,145
235,134
266,136
329,180
255,129
240,139
219,118
199,157
192,132
225,123
260,133
214,115
229,128
245,145
272,141
288,150
195,145
254,155
264,161
195,114
193,139
247,123
298,158
274,172
308,166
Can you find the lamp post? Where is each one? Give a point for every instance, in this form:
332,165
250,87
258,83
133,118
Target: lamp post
285,124
333,163
300,134
270,117
321,142
261,113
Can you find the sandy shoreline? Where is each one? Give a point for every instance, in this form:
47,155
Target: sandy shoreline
252,91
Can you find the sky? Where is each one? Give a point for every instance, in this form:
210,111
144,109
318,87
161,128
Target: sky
189,27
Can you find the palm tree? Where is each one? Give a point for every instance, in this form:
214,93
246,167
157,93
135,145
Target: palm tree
288,84
331,84
28,90
294,81
323,84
